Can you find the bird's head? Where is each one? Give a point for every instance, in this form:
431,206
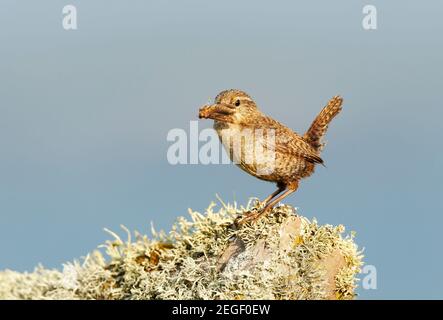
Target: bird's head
229,106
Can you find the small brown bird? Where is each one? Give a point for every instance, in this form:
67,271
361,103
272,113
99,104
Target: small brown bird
281,156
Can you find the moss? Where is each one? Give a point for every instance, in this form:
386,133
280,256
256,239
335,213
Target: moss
185,263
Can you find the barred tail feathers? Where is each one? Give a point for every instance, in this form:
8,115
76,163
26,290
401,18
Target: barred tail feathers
319,126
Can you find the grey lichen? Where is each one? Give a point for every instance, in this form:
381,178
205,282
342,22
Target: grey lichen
283,256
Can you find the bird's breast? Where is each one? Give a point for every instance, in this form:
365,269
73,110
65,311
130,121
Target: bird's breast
248,148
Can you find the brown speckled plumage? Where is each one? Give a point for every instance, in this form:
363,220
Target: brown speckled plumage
234,113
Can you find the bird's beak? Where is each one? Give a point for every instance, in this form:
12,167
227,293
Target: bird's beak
220,112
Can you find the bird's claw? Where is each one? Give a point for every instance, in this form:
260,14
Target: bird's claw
250,216
246,217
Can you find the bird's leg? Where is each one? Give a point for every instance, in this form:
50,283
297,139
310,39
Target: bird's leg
280,189
272,203
291,188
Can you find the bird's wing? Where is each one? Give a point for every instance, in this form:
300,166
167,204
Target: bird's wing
293,144
286,140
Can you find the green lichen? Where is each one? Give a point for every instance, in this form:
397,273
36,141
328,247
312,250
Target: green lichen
183,264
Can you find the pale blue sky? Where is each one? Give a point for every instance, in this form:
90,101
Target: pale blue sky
84,116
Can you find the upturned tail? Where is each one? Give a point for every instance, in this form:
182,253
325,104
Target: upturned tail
319,127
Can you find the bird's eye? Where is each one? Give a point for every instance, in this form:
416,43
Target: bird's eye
237,103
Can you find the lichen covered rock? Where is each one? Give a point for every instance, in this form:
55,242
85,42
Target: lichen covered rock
283,256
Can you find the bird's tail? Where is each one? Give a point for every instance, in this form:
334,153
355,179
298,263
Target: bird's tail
318,128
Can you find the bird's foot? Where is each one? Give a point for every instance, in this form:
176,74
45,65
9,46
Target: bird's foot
250,216
246,217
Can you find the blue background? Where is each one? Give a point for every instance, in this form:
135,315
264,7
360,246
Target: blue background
84,116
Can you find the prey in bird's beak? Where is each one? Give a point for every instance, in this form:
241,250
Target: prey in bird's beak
219,112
